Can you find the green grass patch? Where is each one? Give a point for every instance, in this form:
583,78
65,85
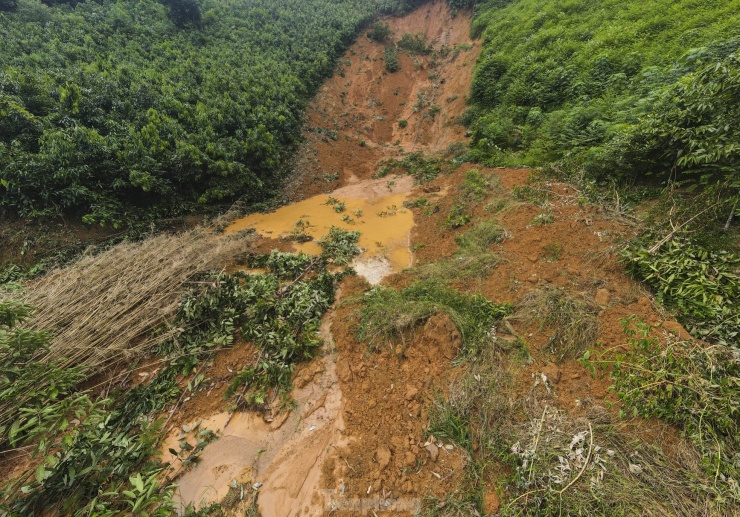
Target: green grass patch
388,316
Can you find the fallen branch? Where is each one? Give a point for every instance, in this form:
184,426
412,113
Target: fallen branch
668,237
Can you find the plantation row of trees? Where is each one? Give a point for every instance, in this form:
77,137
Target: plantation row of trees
618,89
113,110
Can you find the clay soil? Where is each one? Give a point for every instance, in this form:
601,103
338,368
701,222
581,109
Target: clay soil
372,450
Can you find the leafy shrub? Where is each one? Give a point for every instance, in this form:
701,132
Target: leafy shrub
416,43
458,216
703,286
97,455
695,387
380,32
340,246
391,58
695,123
462,4
33,394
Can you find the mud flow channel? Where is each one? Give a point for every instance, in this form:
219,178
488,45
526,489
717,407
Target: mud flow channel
285,456
374,208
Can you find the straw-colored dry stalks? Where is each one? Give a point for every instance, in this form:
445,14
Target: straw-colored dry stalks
572,317
111,307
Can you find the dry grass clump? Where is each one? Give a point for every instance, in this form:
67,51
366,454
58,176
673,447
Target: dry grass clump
111,306
589,466
548,463
574,319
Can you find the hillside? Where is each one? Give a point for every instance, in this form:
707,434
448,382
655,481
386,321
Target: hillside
117,111
451,312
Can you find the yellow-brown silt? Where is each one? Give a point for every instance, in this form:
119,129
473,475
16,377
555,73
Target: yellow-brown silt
374,208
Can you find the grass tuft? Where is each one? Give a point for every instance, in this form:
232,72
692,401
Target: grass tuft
388,316
574,319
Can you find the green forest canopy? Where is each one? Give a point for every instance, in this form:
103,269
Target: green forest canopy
112,110
115,109
621,89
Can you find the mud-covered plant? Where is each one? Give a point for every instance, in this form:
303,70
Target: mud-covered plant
103,467
340,246
553,251
477,185
289,266
536,194
546,217
701,285
573,319
481,237
421,167
298,233
458,216
692,385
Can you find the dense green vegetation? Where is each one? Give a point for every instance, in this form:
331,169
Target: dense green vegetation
620,90
701,286
115,110
691,385
99,449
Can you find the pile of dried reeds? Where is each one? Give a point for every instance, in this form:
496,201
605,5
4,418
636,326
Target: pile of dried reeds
111,307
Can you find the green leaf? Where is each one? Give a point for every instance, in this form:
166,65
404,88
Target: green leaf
40,473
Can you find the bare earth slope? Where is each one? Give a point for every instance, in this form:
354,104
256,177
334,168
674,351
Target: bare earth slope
356,442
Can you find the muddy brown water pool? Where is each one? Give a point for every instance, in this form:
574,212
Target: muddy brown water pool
374,208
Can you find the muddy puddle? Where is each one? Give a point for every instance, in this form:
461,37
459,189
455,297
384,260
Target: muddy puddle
374,208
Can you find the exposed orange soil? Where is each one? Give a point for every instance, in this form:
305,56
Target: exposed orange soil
356,442
364,102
